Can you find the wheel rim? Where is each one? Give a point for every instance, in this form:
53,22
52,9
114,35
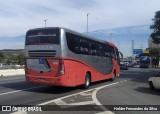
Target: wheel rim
114,76
87,81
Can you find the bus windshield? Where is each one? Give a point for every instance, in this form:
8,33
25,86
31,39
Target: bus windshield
43,36
144,58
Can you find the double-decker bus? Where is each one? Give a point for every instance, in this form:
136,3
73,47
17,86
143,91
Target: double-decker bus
62,57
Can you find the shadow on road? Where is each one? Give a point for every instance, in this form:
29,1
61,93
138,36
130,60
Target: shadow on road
147,90
24,86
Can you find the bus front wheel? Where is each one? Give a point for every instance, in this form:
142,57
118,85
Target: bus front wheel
151,85
113,77
87,81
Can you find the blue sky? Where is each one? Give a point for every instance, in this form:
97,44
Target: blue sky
17,16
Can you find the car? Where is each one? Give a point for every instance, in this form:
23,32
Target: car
123,66
154,82
130,64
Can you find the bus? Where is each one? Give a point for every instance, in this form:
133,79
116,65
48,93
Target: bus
62,57
144,60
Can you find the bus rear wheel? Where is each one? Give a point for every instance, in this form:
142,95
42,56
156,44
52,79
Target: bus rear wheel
87,81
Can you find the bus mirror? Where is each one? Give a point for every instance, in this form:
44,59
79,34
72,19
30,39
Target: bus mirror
121,55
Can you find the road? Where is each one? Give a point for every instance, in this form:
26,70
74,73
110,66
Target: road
130,88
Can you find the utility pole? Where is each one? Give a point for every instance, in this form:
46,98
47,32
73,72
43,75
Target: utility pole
87,22
45,22
142,47
132,48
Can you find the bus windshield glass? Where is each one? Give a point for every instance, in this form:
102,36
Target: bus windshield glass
144,58
43,36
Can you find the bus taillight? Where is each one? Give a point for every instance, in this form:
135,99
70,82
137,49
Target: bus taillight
61,68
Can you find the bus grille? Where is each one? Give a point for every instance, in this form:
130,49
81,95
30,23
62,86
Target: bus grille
42,53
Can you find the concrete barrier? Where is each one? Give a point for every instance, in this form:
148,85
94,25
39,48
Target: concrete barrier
12,72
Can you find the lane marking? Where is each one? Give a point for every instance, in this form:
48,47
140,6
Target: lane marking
94,97
95,101
20,90
51,101
62,104
105,112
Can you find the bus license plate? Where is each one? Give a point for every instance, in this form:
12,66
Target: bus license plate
41,61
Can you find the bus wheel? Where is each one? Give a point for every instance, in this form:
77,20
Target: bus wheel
87,81
113,77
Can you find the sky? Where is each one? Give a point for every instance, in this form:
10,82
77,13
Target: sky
18,16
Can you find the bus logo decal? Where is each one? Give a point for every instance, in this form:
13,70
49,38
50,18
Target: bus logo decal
41,61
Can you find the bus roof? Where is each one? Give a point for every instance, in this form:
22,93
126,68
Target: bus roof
71,31
111,44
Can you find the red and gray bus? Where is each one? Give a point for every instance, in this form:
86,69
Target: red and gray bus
62,57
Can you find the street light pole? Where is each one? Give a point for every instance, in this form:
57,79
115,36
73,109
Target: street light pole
132,48
87,22
45,22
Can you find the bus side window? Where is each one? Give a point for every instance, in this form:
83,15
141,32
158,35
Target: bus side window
106,51
112,52
93,49
72,42
84,47
102,50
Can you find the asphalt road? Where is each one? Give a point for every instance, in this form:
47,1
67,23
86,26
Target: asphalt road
130,88
134,91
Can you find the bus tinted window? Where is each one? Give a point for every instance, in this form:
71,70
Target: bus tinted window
72,42
94,49
112,51
84,46
104,50
43,36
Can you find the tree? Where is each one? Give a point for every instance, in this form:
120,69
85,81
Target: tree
156,28
20,58
154,53
1,56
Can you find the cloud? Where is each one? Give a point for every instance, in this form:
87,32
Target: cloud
18,16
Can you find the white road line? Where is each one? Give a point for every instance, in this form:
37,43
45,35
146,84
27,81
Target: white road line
105,112
65,105
20,90
86,94
60,102
96,100
82,103
51,101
